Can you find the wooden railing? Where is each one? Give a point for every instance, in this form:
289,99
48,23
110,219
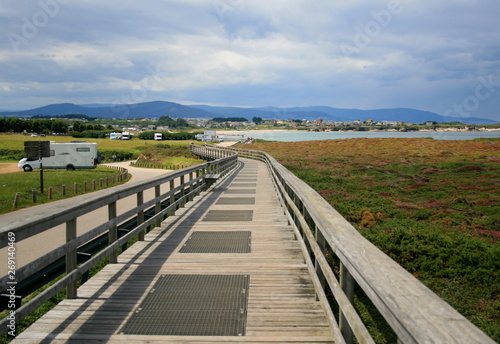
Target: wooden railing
415,313
191,181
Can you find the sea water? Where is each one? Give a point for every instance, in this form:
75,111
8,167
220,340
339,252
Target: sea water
290,136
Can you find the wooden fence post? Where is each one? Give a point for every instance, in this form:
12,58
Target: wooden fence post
16,199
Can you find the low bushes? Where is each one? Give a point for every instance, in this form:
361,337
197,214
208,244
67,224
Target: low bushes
433,206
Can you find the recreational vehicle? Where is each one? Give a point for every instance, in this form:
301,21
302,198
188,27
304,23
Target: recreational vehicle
69,156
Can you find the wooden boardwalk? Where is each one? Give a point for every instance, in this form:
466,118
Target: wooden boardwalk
280,304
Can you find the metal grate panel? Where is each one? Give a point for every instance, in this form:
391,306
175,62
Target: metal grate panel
193,305
236,200
229,215
218,242
244,185
240,191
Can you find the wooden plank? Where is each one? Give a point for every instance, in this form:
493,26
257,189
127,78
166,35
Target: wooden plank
281,299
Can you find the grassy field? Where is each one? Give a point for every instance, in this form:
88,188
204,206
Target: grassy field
433,206
166,154
12,146
172,153
24,183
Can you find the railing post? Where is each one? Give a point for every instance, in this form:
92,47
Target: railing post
157,204
320,240
172,197
71,292
191,187
347,285
140,214
198,172
113,232
182,191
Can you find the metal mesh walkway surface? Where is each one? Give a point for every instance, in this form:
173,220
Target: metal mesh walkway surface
218,242
225,269
201,305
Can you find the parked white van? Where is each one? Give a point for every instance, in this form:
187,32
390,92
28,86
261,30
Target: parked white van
115,136
69,156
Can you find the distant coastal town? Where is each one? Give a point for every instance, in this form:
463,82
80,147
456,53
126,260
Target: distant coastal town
357,125
82,126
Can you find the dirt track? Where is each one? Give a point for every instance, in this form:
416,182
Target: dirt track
8,167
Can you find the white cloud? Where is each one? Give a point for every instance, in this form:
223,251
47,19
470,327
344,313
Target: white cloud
241,52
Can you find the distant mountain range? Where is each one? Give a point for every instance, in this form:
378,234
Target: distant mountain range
163,108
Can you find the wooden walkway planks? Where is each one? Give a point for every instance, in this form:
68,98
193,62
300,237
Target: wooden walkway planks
281,300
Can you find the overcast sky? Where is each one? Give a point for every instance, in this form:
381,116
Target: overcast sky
436,55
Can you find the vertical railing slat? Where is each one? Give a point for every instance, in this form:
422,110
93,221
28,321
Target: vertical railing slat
157,204
71,263
347,285
113,232
140,213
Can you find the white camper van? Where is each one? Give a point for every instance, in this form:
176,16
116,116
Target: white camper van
158,136
115,136
69,156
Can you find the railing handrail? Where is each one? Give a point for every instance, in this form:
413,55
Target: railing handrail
53,214
49,215
414,312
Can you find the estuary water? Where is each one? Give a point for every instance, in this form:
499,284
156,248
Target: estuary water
291,136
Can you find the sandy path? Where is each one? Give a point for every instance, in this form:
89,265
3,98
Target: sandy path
9,167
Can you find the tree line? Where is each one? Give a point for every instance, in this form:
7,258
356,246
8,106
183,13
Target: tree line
18,125
45,126
52,126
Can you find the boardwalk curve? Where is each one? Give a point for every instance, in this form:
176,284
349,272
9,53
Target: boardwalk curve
257,257
280,306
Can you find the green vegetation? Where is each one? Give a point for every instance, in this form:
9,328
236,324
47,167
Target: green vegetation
174,155
172,123
433,206
169,156
182,135
11,154
24,183
13,146
229,119
78,125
